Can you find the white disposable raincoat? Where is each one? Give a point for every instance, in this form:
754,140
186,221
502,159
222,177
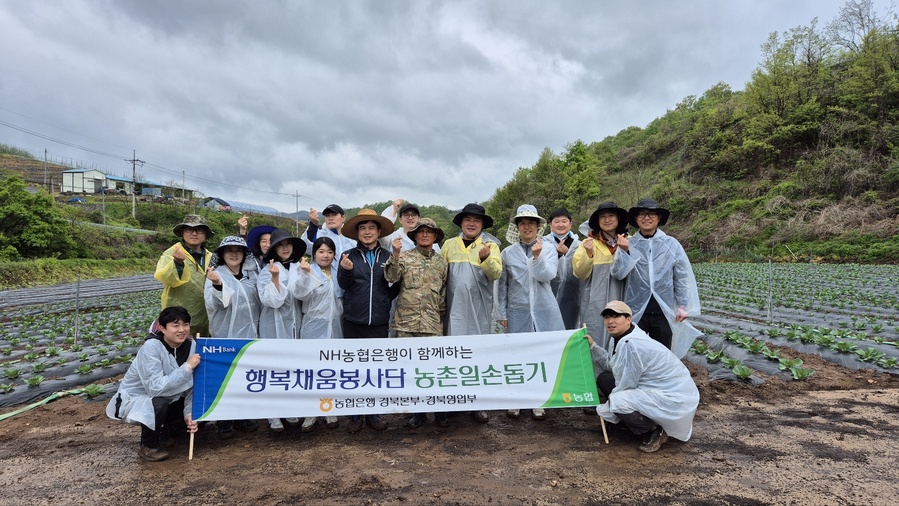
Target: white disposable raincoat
524,293
650,380
658,266
154,372
387,242
282,314
566,287
469,285
341,242
234,310
322,302
600,287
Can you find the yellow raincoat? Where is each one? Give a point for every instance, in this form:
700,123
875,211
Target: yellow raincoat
185,290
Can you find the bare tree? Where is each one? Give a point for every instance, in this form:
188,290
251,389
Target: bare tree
854,23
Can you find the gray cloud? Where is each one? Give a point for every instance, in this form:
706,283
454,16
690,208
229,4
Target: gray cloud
438,102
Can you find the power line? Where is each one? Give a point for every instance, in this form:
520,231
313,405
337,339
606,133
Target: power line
161,168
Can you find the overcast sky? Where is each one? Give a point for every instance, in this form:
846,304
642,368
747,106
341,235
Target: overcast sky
353,102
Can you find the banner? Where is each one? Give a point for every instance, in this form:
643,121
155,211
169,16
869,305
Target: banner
279,378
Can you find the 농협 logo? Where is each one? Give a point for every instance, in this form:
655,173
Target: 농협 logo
325,404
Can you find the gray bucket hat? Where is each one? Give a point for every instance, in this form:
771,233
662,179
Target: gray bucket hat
195,221
231,240
427,223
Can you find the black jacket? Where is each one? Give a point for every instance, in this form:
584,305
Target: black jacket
366,293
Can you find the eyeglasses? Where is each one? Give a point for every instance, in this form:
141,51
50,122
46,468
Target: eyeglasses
408,215
643,214
191,230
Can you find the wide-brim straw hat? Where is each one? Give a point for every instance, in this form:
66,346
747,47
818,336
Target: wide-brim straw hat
278,235
648,205
195,221
476,210
427,223
622,215
350,228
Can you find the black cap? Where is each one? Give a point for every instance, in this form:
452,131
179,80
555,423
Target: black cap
333,209
409,207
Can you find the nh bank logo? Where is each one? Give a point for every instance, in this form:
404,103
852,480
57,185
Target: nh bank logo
219,349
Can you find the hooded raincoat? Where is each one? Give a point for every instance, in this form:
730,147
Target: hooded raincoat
524,293
282,314
599,288
658,266
469,285
566,287
650,380
185,289
322,302
234,310
341,242
154,372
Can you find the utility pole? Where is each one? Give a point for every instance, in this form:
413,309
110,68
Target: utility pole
45,172
182,184
296,217
134,161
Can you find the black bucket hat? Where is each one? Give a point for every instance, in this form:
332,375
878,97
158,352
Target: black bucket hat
299,247
648,205
475,209
622,215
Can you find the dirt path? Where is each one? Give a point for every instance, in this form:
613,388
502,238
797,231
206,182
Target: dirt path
830,440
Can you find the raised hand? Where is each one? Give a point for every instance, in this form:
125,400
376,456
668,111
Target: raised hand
242,223
589,245
345,262
274,269
213,276
178,255
313,216
537,248
304,264
623,242
561,248
397,245
484,252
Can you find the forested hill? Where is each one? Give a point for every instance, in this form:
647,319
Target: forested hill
804,163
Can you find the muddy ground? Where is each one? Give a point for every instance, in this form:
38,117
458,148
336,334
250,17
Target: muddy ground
829,440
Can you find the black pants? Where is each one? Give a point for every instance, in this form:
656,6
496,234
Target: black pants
169,420
354,330
636,422
656,325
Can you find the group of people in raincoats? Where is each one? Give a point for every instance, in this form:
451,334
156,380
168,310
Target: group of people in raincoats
262,286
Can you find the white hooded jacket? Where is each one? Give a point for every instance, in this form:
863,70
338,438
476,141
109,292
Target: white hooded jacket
650,380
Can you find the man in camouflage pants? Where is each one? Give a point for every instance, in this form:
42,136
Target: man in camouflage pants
421,304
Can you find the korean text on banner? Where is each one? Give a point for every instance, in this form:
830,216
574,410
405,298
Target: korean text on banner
272,378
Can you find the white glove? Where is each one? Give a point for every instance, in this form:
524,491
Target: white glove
605,411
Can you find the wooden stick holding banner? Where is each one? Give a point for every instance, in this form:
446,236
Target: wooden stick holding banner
602,421
190,450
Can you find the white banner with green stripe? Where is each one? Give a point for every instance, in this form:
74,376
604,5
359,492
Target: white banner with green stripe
275,378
